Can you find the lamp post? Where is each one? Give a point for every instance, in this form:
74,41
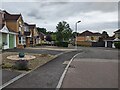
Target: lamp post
76,33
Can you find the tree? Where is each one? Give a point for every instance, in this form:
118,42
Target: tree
53,36
64,32
43,30
48,38
105,35
74,34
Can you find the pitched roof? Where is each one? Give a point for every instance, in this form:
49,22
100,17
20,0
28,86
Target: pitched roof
117,31
32,26
97,34
41,34
86,33
9,16
1,26
10,30
89,33
26,24
109,38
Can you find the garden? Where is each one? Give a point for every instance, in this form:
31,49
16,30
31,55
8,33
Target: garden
24,65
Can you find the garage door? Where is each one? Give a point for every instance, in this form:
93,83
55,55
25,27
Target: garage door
109,44
11,41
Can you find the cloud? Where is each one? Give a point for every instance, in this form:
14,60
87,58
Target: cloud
48,13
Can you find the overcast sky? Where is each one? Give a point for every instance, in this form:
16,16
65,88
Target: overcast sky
94,16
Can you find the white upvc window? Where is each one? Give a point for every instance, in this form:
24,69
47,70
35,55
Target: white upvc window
20,29
20,40
24,40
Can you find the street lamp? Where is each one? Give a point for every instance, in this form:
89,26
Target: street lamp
76,34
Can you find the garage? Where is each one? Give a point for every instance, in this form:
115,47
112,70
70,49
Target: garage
11,41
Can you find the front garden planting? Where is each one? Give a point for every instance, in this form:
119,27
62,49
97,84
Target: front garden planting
24,65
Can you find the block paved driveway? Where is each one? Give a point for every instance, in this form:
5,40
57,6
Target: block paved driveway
94,68
46,76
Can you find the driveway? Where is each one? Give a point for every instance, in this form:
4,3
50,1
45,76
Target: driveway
46,76
94,68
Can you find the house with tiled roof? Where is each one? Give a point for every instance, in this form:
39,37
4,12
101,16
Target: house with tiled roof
87,37
15,22
117,34
26,34
109,42
7,35
35,36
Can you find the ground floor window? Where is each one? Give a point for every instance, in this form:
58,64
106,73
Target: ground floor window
4,37
22,40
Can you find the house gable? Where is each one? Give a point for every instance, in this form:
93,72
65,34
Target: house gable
4,29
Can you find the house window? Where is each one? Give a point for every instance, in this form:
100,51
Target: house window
20,29
4,39
24,40
92,38
20,40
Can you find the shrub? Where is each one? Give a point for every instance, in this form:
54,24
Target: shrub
62,44
21,65
117,45
7,65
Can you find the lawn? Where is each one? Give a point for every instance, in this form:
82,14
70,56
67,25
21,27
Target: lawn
40,60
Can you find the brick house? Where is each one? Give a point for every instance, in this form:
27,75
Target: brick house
15,22
7,35
109,42
34,40
27,33
87,37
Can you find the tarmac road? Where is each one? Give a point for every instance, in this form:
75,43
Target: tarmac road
94,68
46,76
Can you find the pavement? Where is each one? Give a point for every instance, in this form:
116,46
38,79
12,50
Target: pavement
7,75
95,68
55,48
46,76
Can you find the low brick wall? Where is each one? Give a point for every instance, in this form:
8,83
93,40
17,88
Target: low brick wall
20,46
84,43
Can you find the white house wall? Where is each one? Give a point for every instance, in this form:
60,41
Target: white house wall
5,30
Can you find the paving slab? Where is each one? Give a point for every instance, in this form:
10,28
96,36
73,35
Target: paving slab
92,73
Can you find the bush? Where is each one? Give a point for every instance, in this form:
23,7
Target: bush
62,44
7,65
117,45
21,65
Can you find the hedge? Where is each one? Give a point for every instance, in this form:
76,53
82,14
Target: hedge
117,45
61,44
